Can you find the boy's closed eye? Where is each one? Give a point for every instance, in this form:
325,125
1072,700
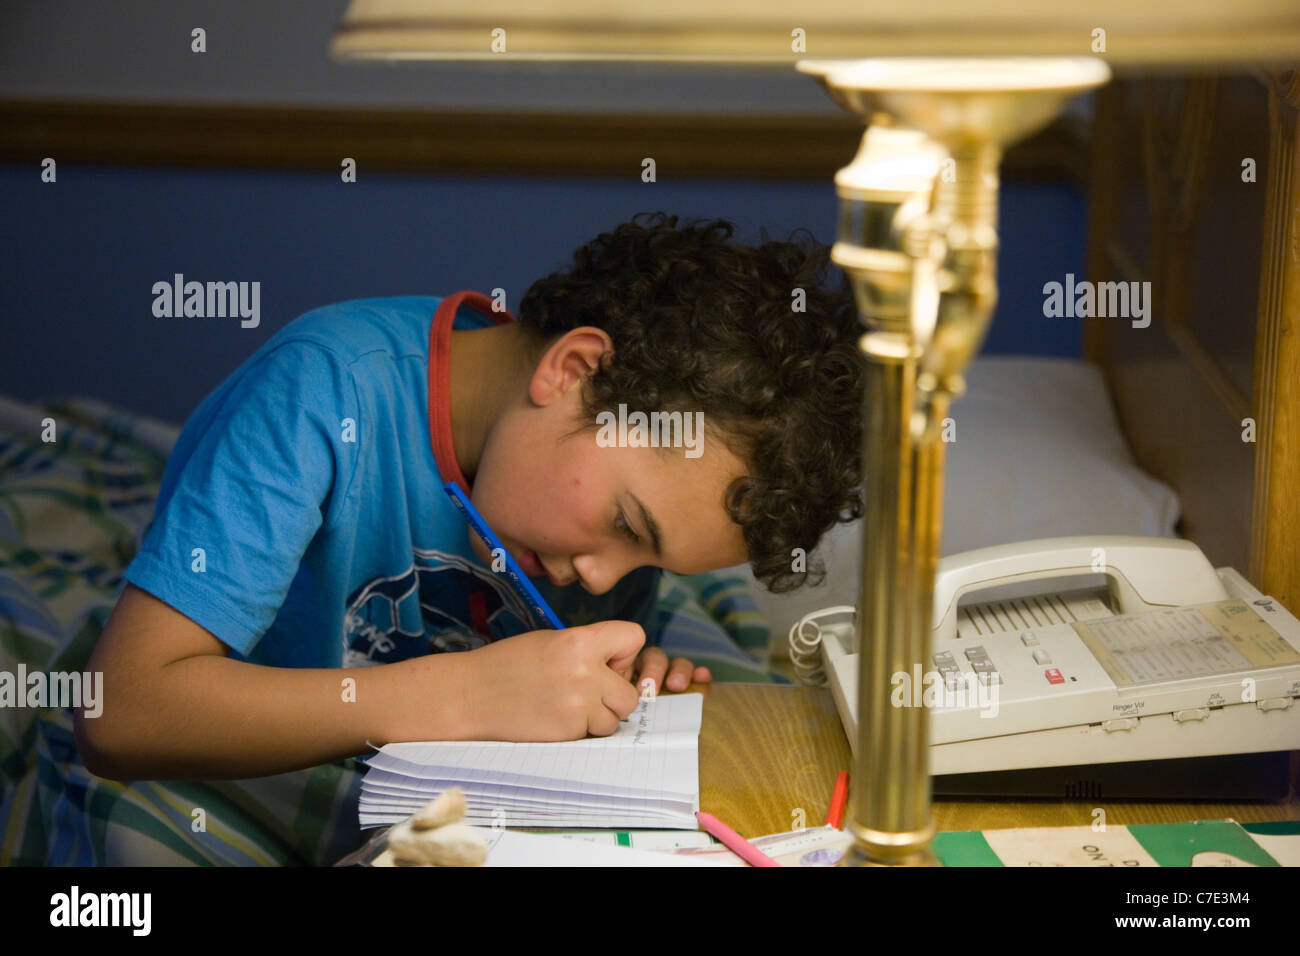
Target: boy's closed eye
622,525
644,520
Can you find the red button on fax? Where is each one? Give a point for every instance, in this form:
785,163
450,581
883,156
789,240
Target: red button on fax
1054,676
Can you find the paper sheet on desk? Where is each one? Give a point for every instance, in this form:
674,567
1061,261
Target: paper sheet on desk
646,774
506,848
809,846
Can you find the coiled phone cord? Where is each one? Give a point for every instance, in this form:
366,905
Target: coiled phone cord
806,644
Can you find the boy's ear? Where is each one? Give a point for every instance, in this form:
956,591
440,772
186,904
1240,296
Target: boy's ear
568,362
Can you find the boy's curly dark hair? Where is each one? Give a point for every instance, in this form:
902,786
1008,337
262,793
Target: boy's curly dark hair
701,325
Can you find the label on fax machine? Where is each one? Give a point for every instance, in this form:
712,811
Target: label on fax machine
1221,638
1182,661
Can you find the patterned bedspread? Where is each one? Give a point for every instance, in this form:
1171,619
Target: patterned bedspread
72,514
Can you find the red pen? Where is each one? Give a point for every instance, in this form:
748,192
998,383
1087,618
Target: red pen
839,796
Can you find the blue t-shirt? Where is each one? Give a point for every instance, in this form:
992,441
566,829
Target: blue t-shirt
302,518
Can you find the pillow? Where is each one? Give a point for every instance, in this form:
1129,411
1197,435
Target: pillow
1036,452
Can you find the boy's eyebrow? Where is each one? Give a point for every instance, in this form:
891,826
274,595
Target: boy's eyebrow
651,524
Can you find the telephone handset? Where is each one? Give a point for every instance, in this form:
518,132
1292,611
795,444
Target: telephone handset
1146,574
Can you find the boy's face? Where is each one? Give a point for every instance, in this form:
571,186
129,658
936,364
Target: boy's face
567,508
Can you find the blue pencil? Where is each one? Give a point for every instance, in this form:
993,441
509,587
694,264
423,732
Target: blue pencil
524,587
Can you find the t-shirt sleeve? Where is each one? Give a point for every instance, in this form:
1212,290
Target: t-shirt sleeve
268,470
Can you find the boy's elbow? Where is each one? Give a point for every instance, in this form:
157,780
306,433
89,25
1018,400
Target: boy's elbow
95,748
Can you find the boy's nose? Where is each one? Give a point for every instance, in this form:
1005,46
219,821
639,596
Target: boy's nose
596,584
597,574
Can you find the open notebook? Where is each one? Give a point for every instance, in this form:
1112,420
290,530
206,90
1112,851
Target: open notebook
646,774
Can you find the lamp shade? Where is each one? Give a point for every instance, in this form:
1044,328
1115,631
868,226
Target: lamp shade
1173,33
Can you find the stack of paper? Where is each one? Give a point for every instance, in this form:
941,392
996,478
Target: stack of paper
646,774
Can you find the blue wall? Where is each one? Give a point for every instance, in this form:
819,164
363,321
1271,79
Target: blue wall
80,257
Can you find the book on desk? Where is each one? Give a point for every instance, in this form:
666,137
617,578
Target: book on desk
645,774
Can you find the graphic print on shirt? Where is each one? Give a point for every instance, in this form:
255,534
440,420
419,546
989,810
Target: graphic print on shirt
427,609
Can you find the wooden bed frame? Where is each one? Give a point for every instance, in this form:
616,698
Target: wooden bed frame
1170,205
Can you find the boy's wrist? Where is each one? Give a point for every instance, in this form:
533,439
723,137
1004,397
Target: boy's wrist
432,701
458,685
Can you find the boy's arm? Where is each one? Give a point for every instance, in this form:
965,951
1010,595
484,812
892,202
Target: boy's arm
173,705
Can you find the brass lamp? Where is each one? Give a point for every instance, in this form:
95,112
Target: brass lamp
953,85
918,238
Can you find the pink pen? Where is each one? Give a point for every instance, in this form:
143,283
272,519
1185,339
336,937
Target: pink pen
733,841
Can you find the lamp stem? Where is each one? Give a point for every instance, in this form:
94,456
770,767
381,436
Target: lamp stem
890,819
910,380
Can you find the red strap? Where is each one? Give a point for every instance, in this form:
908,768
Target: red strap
478,612
444,452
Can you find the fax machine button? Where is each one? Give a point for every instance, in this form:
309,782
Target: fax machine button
1054,676
1042,657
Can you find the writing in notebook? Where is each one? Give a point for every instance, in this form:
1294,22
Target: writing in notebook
645,774
641,718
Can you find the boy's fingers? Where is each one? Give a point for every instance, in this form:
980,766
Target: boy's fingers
619,699
703,675
627,671
603,722
622,642
679,675
654,664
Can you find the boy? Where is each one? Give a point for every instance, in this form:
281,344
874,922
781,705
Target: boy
305,566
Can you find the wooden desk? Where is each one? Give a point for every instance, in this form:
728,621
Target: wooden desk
767,751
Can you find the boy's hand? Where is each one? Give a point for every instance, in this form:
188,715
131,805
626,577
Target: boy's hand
551,685
652,665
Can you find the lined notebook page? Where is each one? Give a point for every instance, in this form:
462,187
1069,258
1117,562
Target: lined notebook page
645,774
